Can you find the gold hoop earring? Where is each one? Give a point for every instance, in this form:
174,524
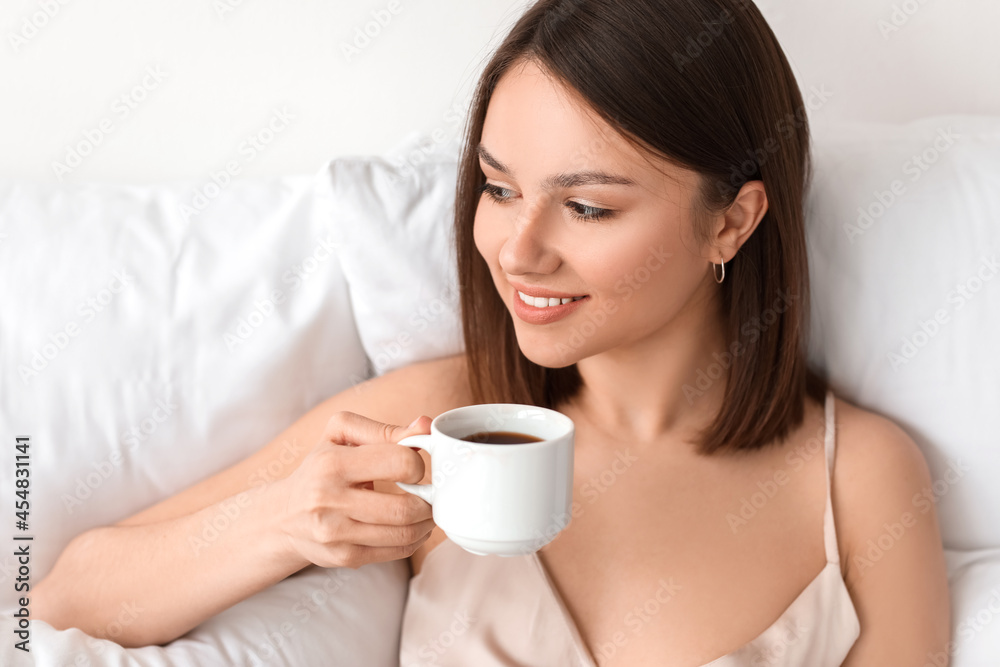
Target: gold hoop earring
718,279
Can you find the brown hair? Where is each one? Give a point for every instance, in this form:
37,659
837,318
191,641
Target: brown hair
702,84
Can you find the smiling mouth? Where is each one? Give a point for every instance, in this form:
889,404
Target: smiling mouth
543,302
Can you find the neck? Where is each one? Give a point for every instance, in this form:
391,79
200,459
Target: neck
649,390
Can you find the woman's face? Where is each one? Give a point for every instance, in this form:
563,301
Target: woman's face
632,253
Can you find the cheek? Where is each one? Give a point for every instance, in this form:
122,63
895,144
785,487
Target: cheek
648,274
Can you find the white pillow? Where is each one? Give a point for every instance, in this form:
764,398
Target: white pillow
974,583
143,349
395,226
888,320
318,616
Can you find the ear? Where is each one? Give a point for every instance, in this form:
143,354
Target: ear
734,226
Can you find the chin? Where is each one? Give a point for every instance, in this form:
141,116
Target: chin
549,355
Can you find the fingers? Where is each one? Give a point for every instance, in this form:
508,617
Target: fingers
390,509
350,428
373,535
388,462
383,462
357,555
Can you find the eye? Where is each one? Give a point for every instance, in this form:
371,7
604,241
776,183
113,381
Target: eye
577,210
495,193
584,212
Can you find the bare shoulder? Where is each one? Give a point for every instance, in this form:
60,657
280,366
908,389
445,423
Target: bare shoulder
865,439
892,556
881,480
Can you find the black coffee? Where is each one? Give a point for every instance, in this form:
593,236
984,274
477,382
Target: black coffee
501,438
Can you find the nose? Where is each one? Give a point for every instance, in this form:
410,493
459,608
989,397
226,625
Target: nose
529,247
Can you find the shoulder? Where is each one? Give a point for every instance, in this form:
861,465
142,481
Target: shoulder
881,484
868,443
892,556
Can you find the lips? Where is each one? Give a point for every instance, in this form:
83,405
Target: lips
548,314
542,292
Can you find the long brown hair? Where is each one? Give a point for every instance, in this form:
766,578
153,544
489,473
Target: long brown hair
702,84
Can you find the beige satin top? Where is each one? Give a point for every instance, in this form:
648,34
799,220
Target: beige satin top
485,611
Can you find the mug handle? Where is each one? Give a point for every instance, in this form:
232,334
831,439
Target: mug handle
425,442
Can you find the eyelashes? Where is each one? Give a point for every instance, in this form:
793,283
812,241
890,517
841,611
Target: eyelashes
579,211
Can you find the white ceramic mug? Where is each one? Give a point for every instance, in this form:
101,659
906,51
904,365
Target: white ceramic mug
506,500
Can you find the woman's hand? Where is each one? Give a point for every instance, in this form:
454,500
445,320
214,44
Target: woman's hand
333,517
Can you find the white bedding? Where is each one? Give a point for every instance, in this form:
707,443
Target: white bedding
177,369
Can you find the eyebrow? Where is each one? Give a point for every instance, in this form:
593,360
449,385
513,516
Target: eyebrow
564,180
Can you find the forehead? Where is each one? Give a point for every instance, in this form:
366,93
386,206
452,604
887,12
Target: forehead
538,127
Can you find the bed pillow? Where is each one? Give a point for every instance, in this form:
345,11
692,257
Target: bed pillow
394,223
974,584
318,616
152,336
904,244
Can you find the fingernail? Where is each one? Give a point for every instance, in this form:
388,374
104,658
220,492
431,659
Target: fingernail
413,423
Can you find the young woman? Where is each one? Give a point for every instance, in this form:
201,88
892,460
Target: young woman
631,249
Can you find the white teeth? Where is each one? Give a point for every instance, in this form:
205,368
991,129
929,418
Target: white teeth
543,302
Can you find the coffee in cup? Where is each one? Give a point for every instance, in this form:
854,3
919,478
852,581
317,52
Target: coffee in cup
501,438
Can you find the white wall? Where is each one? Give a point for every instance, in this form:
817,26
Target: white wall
893,60
227,65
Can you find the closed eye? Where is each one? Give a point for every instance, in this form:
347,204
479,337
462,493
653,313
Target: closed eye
577,210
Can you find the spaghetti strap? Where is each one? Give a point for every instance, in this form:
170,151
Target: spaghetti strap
829,529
